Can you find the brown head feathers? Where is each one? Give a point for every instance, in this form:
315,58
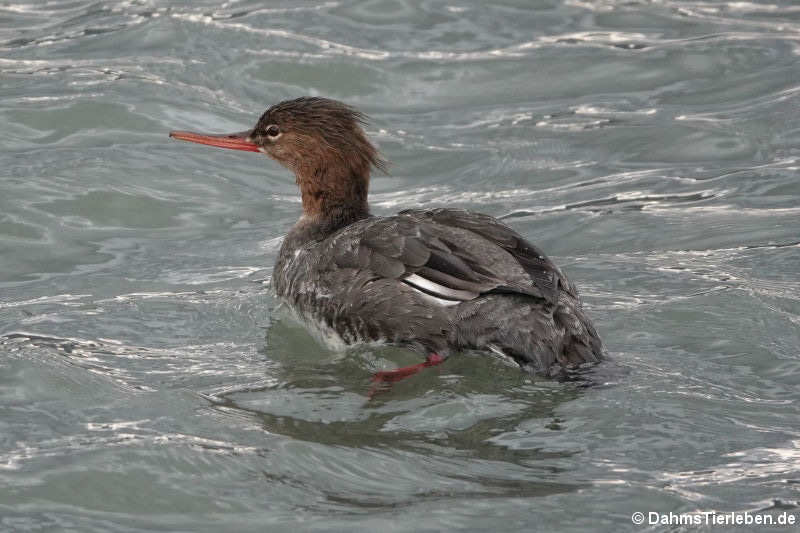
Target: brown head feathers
324,143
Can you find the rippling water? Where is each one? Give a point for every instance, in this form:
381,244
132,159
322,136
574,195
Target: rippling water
149,381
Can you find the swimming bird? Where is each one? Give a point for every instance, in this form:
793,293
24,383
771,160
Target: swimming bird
438,281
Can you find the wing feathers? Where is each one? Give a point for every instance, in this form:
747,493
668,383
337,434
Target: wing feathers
449,254
439,290
452,281
415,253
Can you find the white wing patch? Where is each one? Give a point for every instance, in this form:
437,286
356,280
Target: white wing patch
435,300
438,293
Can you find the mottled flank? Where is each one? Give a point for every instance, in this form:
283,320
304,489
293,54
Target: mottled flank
437,281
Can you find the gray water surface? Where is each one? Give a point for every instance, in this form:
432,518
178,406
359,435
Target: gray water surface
150,381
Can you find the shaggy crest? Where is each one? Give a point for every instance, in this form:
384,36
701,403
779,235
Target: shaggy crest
338,125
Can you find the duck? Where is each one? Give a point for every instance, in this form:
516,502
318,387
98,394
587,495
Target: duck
436,281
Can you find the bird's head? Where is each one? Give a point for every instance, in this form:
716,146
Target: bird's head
321,140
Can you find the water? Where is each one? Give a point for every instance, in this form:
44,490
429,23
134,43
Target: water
149,381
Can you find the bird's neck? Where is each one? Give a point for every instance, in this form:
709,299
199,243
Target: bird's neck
333,198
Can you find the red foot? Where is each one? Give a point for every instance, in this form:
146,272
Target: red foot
390,376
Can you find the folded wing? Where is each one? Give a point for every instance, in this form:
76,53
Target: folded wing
451,255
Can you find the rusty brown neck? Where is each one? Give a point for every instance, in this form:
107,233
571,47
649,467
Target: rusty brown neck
332,199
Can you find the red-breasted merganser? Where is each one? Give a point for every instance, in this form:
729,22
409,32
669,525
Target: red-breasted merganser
438,281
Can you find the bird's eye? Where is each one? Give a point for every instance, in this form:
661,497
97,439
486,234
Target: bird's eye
273,130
